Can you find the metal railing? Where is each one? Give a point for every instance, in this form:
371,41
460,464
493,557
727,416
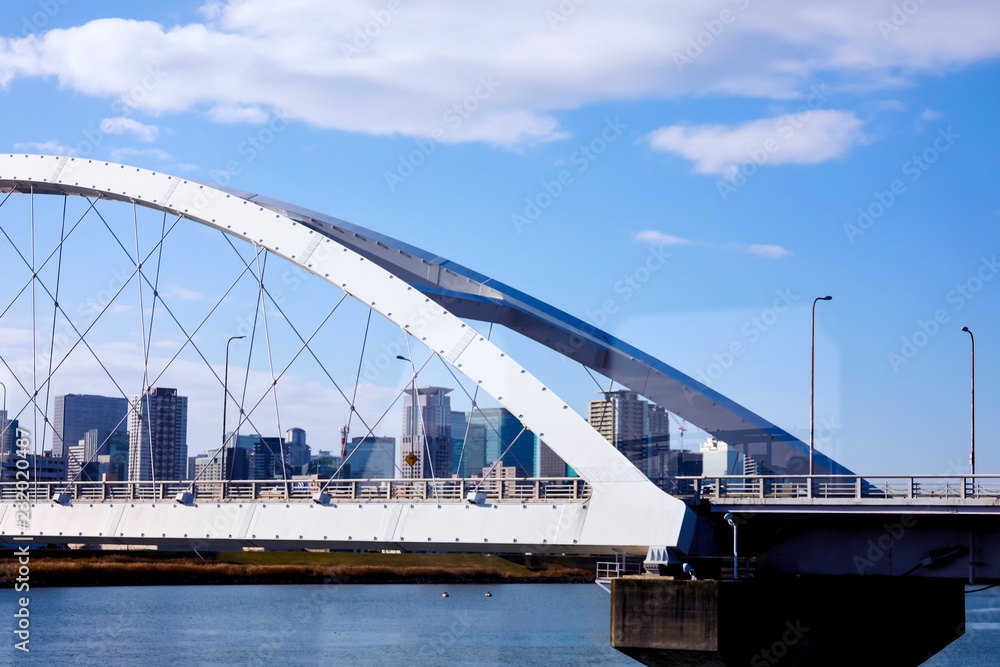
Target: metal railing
543,489
856,487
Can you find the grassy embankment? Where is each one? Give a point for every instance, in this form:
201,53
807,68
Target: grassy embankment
64,567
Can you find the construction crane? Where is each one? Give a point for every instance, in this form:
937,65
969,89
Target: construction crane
681,427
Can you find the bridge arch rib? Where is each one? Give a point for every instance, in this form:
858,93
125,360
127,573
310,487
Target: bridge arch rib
625,511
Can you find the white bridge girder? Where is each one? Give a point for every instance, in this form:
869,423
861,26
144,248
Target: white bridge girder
418,526
625,511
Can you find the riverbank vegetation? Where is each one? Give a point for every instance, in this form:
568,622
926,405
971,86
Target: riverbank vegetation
79,567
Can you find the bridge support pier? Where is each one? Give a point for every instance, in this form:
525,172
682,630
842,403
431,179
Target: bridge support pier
815,620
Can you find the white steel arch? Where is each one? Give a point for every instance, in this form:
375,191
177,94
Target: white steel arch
626,511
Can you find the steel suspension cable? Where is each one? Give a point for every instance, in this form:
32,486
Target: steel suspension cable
145,359
285,369
379,421
274,382
420,418
288,365
468,422
481,413
34,342
500,460
322,367
55,314
357,378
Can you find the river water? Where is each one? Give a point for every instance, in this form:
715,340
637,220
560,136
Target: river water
355,625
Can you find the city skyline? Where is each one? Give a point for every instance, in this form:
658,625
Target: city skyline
634,426
676,183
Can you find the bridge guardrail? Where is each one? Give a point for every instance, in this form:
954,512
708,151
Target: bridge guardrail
347,490
857,487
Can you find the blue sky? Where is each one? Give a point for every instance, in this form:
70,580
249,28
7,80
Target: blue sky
757,155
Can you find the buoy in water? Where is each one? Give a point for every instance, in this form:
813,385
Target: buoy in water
488,594
444,595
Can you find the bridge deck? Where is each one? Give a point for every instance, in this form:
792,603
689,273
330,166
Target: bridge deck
846,493
561,489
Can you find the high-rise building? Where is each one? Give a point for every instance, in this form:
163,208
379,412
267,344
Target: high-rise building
638,429
75,414
43,467
214,465
470,454
83,460
719,459
459,427
547,462
74,462
264,458
158,436
297,452
425,450
504,436
8,434
325,464
372,457
494,476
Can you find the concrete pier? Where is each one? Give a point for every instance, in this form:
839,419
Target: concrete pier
785,621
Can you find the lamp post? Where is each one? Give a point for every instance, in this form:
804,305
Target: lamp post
972,454
736,560
225,401
812,385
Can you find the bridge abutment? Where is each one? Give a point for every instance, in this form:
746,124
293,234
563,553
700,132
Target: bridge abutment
815,620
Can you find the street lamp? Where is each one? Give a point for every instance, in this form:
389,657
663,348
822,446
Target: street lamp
812,384
225,401
736,560
972,455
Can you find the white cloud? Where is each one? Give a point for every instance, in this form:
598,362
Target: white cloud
120,154
653,237
182,293
930,115
48,148
890,105
412,70
788,139
228,113
765,250
125,125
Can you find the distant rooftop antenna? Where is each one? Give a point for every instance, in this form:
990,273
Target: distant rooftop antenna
344,430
